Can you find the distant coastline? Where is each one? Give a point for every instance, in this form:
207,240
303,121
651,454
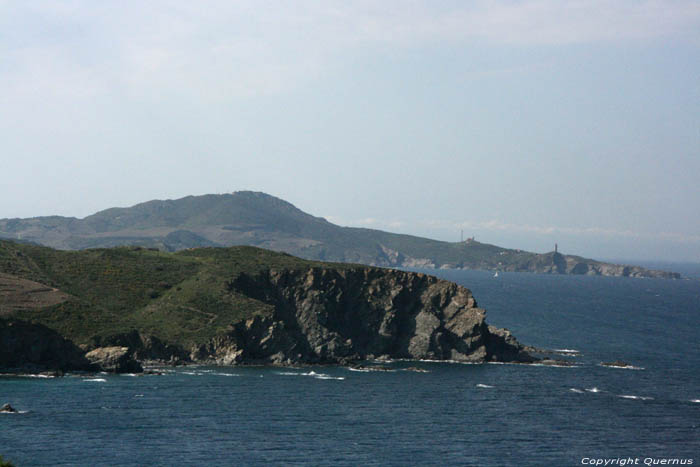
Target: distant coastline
264,221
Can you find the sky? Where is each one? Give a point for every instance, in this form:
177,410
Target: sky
521,122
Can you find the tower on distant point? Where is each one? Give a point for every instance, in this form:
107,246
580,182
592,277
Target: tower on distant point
461,237
556,248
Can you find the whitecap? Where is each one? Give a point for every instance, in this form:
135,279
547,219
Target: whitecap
566,351
627,396
129,374
96,380
577,391
310,373
40,376
553,365
697,401
483,386
361,370
138,395
226,374
628,367
593,389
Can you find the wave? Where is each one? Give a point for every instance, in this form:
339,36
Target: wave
96,380
643,398
39,376
483,386
571,351
577,391
18,412
226,374
593,389
627,367
697,401
310,373
553,365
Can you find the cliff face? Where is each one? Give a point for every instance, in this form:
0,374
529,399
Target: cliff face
337,316
26,347
238,305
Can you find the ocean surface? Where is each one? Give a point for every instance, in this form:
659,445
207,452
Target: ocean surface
457,414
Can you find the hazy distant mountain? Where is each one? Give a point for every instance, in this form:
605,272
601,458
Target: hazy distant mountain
258,219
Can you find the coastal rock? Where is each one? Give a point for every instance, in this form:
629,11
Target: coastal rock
341,315
114,360
34,348
7,408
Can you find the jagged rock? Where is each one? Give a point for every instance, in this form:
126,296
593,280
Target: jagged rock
331,316
7,408
143,348
114,360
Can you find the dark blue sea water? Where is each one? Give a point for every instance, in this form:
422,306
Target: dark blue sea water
481,415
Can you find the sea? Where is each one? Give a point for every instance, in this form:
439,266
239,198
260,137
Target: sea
452,414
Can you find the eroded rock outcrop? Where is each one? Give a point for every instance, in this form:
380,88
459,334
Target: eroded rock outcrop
114,360
341,315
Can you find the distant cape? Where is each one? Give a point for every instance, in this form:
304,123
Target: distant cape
258,219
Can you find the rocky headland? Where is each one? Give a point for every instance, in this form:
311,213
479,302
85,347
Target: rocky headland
261,220
237,306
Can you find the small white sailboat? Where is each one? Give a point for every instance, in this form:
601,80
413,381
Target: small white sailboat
496,275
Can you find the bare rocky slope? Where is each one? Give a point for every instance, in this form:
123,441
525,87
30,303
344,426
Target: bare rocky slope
231,306
258,219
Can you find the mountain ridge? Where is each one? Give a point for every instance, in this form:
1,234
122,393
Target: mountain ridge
258,219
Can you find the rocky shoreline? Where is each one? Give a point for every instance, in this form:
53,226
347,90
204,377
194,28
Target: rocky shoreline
321,316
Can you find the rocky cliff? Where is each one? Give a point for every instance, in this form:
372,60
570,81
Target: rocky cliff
33,348
338,316
229,306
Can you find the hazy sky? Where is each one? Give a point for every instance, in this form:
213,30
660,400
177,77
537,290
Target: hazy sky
521,122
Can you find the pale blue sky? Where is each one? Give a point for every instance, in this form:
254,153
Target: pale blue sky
521,122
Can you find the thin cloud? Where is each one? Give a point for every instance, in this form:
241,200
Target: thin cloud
221,49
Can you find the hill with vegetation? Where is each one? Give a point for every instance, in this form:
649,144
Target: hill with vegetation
229,306
258,219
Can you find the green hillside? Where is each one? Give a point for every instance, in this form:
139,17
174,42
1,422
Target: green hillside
258,219
178,297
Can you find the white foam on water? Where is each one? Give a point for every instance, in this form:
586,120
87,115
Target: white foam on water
361,370
226,374
643,398
15,413
697,401
566,351
577,391
593,389
129,374
310,373
628,367
550,365
39,376
138,395
483,386
96,380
